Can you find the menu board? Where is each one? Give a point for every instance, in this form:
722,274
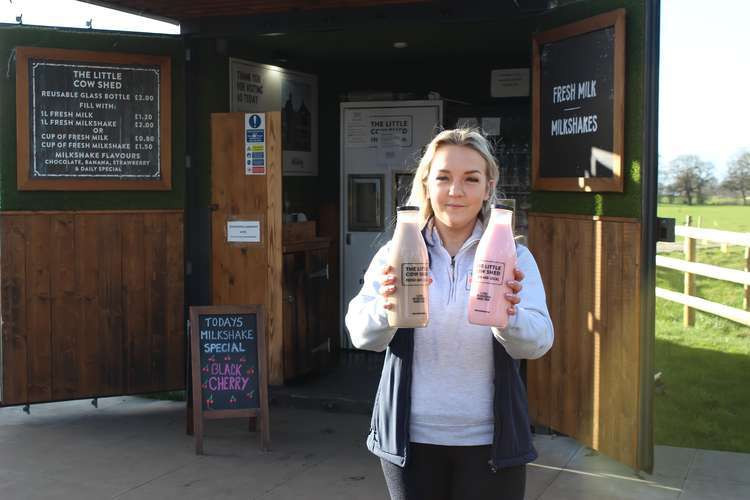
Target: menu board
228,361
228,365
92,117
578,105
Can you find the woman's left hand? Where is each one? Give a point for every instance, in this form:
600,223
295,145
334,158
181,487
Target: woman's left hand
515,288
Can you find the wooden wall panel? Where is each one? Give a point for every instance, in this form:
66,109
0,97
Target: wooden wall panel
155,269
136,342
38,312
588,385
92,304
13,309
175,302
87,271
66,306
248,273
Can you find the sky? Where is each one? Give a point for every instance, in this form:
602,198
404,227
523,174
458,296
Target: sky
704,68
72,14
704,77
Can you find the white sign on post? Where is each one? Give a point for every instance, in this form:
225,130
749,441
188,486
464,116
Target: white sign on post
243,231
255,144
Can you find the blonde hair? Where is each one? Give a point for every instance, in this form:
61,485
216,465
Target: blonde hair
467,137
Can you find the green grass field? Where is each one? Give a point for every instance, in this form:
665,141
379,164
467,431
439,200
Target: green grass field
726,217
703,400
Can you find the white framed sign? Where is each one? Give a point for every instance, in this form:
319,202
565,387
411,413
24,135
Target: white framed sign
258,88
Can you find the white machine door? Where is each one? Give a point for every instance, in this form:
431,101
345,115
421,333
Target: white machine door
380,147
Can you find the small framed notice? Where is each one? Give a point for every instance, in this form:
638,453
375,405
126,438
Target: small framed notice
243,231
229,367
93,121
578,105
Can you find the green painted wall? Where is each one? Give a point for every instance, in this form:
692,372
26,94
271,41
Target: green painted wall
12,199
628,203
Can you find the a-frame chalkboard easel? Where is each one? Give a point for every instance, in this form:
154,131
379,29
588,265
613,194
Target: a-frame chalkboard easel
229,367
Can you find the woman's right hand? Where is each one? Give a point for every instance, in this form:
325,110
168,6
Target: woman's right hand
388,285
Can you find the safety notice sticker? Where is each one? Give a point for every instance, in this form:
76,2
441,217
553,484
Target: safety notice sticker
255,144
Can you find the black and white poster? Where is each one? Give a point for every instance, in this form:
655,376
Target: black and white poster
259,88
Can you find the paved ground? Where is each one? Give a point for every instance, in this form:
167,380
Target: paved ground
133,448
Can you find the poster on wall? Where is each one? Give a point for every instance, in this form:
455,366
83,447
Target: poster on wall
578,105
92,120
258,88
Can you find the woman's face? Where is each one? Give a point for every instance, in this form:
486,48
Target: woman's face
457,185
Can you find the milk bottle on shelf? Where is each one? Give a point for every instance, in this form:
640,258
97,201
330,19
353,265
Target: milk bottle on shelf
411,265
494,263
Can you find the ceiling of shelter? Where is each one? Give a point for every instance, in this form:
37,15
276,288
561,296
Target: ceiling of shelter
191,9
335,31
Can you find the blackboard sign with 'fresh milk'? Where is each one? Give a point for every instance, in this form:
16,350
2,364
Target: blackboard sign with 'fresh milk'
578,105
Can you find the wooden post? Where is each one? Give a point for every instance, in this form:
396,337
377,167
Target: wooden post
688,315
746,300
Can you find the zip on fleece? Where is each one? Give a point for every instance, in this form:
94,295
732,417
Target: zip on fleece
464,248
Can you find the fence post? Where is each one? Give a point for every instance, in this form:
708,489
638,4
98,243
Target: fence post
746,300
688,314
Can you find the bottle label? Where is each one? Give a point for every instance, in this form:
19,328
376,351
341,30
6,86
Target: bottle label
490,272
414,274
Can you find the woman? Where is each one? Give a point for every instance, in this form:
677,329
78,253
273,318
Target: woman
450,417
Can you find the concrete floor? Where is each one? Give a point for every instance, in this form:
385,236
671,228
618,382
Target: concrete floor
134,448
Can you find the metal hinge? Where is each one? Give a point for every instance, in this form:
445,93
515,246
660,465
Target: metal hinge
188,161
188,54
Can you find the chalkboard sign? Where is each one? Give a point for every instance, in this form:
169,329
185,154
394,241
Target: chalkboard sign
229,366
93,121
578,105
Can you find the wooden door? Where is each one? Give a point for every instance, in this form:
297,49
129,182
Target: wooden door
310,335
588,385
593,238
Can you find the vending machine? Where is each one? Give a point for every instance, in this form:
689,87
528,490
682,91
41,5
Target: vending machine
381,143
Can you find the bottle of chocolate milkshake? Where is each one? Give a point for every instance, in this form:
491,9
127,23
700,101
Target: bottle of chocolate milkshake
494,263
411,265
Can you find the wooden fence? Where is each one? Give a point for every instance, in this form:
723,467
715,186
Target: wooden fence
692,268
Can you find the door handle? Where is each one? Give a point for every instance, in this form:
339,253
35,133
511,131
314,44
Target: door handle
348,238
325,346
323,273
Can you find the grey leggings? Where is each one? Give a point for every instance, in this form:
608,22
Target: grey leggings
452,472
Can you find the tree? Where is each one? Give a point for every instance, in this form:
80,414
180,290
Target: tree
738,176
692,177
664,182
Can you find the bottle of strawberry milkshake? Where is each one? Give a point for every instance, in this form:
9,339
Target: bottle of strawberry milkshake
494,263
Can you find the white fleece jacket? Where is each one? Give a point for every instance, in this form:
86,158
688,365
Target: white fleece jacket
453,370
